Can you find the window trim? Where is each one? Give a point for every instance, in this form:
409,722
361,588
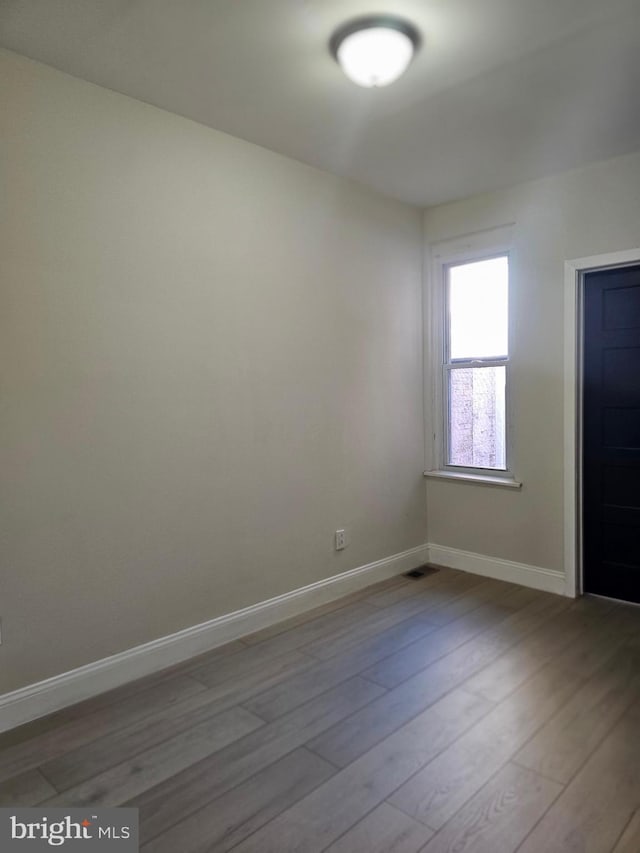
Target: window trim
441,256
480,479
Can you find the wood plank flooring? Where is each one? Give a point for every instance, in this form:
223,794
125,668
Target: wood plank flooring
448,714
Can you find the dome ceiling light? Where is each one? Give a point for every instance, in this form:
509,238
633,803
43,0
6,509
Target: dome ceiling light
376,50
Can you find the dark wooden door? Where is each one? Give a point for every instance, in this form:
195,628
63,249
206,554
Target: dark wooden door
611,434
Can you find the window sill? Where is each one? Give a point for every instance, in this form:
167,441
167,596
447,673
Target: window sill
480,479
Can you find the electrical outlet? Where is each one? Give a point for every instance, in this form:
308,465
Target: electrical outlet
341,540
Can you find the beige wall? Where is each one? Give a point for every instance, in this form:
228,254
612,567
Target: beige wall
577,214
210,359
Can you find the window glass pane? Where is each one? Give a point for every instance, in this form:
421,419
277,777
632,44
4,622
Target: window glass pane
478,316
477,417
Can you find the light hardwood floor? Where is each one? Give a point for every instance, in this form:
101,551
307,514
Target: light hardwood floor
449,714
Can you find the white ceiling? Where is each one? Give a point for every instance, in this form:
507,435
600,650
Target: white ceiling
502,90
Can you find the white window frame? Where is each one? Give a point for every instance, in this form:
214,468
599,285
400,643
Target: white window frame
480,246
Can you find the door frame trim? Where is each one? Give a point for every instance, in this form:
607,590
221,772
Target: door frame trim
574,273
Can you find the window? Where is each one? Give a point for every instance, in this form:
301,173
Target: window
475,364
467,359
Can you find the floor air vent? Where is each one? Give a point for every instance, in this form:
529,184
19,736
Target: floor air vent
421,572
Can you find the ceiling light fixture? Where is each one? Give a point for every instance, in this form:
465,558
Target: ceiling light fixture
376,50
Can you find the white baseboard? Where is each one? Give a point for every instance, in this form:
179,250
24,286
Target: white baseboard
37,700
546,580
